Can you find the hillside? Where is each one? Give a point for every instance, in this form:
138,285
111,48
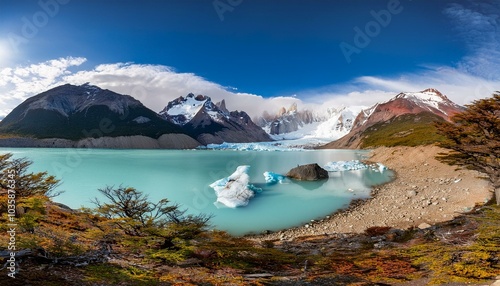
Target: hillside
405,120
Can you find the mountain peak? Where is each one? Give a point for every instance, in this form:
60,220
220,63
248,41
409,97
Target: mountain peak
212,123
428,95
182,109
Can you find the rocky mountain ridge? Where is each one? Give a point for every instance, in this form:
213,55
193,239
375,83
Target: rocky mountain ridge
210,122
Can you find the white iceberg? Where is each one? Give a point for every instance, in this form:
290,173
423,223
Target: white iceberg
235,190
381,167
273,178
340,166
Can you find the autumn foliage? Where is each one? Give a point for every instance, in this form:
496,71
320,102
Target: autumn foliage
474,138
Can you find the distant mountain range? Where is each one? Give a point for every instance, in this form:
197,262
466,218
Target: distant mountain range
77,113
292,123
86,114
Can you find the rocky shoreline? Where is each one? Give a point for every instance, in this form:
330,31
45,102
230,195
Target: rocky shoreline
424,192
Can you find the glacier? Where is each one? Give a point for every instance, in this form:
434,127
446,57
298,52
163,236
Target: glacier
273,178
235,191
328,125
258,146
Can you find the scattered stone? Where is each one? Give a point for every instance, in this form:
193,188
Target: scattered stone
412,193
424,225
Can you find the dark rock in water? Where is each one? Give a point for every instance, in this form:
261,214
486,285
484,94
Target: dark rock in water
309,172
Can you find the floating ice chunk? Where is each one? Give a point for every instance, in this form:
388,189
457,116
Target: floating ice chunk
381,167
273,178
234,191
339,166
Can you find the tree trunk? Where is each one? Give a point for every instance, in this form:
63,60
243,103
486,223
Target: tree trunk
495,180
497,195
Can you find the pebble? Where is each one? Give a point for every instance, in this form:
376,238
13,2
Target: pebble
424,225
412,193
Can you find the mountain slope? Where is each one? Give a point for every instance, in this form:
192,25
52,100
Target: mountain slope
77,112
405,119
212,123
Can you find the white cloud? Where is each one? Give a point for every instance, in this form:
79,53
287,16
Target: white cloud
156,85
18,83
153,85
478,24
459,86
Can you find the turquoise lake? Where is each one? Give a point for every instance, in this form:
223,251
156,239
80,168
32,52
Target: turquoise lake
184,176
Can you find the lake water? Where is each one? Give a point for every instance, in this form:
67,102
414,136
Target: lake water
184,177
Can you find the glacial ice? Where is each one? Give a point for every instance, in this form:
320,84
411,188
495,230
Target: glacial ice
259,146
235,190
339,166
381,167
273,178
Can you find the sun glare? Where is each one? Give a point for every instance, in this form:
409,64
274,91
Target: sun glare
4,53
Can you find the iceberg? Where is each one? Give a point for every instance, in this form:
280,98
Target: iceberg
381,167
235,190
273,178
339,166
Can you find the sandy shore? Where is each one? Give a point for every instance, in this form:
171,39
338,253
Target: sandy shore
424,192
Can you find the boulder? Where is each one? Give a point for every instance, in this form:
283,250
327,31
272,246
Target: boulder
309,172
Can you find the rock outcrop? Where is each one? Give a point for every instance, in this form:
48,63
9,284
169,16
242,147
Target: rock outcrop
309,172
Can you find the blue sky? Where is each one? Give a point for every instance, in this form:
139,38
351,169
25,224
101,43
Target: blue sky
252,51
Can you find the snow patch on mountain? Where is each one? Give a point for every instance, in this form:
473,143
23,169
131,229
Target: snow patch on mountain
141,119
189,107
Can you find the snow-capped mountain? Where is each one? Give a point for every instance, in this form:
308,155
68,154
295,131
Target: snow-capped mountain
429,101
212,123
286,120
77,112
294,124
